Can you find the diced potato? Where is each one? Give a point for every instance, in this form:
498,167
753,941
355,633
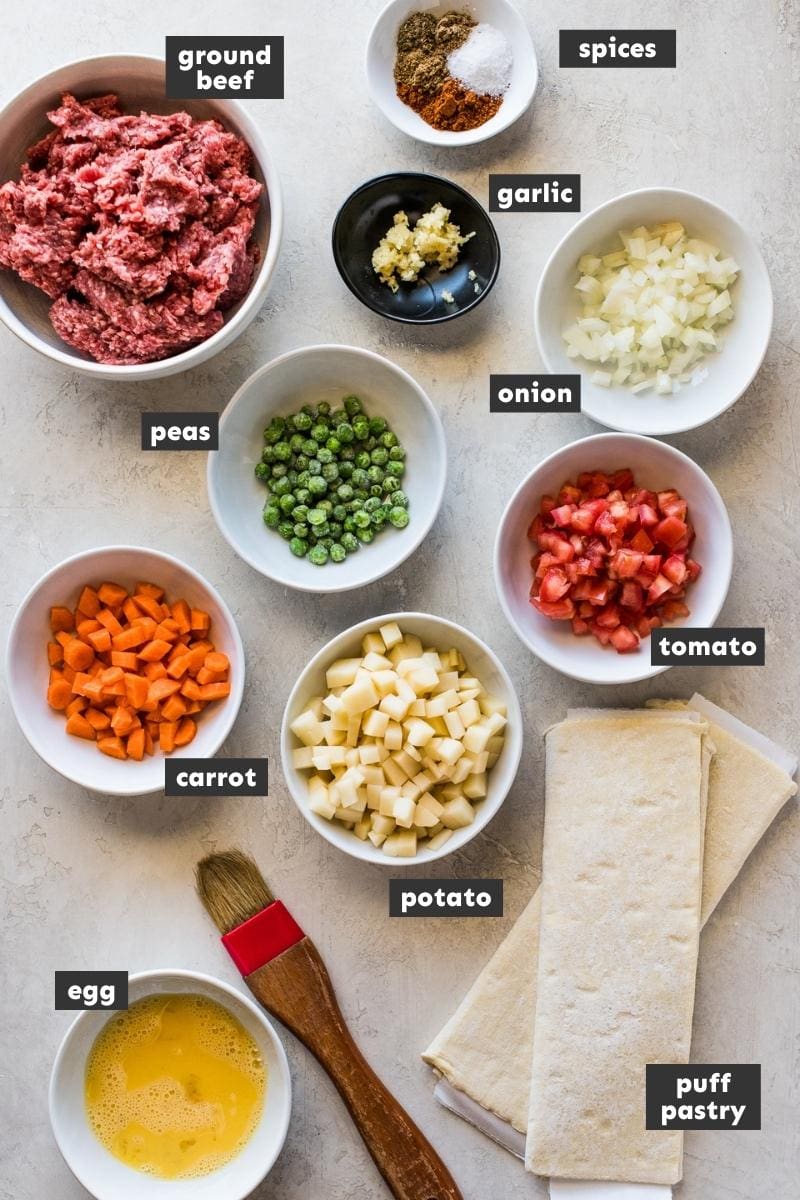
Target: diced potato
469,712
423,817
495,722
376,662
430,802
353,729
332,704
476,739
301,758
342,672
377,839
448,750
404,812
409,788
374,723
475,787
418,708
384,681
393,738
374,793
368,754
394,707
389,797
394,773
383,825
346,816
491,705
360,696
455,726
361,828
320,803
458,813
390,634
418,732
436,842
373,643
423,680
405,762
307,728
401,845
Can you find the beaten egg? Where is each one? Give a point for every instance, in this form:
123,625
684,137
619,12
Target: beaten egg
175,1086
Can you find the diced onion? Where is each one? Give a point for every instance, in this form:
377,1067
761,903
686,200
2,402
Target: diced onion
650,310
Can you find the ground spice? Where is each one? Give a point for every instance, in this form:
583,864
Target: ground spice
452,107
418,32
453,29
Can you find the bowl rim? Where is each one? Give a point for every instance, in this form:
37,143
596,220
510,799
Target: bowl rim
324,586
545,283
359,849
232,705
382,312
444,137
214,984
250,303
542,652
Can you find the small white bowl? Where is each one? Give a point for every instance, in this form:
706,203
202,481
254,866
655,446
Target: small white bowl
103,1175
27,669
441,634
655,465
729,371
281,387
139,82
382,51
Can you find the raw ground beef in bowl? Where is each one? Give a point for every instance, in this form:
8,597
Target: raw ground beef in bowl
138,226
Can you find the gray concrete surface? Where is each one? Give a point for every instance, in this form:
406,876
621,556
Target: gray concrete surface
90,882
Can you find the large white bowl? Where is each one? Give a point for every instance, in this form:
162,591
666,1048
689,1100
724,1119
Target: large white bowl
744,341
656,466
27,669
139,82
442,635
103,1175
382,51
281,387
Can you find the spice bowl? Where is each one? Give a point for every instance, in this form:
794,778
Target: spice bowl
382,52
106,1177
366,216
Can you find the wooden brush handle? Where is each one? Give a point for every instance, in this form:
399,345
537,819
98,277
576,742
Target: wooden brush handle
297,989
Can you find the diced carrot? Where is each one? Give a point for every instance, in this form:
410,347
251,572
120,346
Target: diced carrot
178,666
59,694
136,688
135,745
60,619
215,660
115,689
166,735
191,690
112,746
200,620
130,610
111,675
194,706
78,655
122,721
112,595
64,638
89,602
79,682
107,618
166,633
55,654
100,641
124,659
78,726
147,623
149,744
155,670
186,731
76,705
97,719
197,656
174,708
130,638
182,614
149,589
160,689
154,651
215,691
85,627
205,676
150,607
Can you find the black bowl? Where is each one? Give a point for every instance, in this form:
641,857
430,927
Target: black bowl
367,215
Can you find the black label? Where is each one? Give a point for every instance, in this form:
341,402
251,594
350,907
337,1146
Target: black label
91,989
535,393
180,431
703,1096
445,897
616,48
534,193
215,777
225,68
686,647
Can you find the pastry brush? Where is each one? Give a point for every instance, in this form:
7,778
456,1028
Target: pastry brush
284,971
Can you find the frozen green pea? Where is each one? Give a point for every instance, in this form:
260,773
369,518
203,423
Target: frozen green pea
286,503
330,472
398,517
317,516
268,454
283,451
281,487
399,499
300,512
286,530
377,426
337,552
310,447
302,495
388,439
333,444
318,555
314,466
302,421
317,485
371,504
345,433
361,519
395,470
352,405
339,512
344,492
349,541
320,432
326,505
324,455
278,469
365,535
363,459
323,408
298,546
262,472
379,456
379,516
397,454
346,469
272,516
361,427
336,529
359,478
301,529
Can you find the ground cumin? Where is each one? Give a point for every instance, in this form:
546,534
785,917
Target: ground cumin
452,107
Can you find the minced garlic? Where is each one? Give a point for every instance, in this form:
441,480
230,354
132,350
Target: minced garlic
404,253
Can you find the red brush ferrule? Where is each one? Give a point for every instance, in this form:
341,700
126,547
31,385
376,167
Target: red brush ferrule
262,938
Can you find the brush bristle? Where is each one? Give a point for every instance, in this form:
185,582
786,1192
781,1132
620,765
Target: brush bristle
231,888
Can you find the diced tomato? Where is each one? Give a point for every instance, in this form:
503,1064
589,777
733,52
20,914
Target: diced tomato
652,563
641,542
693,568
648,515
632,595
620,511
583,519
624,640
671,505
622,479
577,542
586,610
580,627
670,531
536,527
674,609
675,569
599,485
561,610
608,617
585,566
603,635
605,524
600,591
627,563
657,589
563,514
554,585
569,494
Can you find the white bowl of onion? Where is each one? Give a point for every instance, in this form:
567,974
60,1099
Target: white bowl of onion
706,318
387,789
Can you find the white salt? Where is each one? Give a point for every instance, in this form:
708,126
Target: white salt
483,63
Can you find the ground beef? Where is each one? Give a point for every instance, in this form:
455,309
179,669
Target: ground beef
139,228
